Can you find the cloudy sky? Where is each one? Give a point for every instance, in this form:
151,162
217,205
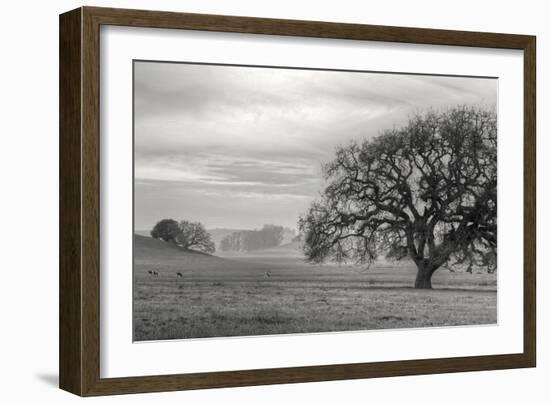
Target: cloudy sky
239,147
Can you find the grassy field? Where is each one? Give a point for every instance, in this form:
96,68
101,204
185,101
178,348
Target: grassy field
230,296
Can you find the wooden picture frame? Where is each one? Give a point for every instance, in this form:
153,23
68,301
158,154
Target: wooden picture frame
79,280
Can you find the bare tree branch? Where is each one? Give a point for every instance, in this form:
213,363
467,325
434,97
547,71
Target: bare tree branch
426,191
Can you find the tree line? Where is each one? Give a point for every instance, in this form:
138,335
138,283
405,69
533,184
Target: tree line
249,240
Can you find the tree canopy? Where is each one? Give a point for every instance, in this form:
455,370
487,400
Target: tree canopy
166,229
426,191
188,235
194,236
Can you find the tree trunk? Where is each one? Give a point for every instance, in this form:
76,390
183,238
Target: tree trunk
424,277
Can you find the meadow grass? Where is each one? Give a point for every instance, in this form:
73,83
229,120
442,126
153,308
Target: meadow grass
215,309
229,296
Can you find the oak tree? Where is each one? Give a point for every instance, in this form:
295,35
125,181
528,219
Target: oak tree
166,230
426,191
185,234
194,236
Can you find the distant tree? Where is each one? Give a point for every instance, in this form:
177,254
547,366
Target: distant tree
193,236
232,242
186,234
249,240
288,235
427,191
166,230
225,243
276,233
269,236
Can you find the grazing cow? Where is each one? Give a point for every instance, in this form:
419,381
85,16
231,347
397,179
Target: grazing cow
178,276
153,273
267,274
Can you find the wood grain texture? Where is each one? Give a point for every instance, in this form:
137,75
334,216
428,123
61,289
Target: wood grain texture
90,202
316,29
530,202
80,200
70,271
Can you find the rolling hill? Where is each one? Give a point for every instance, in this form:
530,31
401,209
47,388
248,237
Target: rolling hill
145,246
167,259
143,232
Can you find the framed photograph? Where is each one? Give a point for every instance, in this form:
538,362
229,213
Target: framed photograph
248,201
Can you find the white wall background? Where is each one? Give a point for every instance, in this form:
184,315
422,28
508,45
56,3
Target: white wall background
29,202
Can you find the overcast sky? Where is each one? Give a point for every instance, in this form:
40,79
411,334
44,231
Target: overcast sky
239,147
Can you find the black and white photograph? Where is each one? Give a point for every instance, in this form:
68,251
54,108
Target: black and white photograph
271,200
241,201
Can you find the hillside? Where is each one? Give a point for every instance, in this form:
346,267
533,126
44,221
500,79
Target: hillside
217,234
143,232
147,247
167,259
